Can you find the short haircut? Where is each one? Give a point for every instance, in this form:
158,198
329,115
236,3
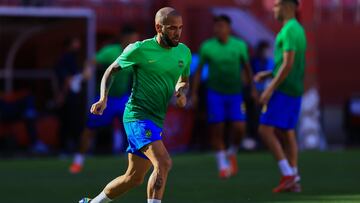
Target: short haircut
163,14
223,17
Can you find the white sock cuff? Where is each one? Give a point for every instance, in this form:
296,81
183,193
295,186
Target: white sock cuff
222,160
285,168
79,159
101,198
295,170
154,201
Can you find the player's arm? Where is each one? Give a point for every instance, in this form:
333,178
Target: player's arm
196,84
248,73
263,75
106,82
127,59
248,79
284,70
181,88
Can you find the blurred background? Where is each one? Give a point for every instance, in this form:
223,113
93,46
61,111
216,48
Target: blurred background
33,35
39,37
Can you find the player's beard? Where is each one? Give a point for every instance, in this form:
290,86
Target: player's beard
279,17
167,41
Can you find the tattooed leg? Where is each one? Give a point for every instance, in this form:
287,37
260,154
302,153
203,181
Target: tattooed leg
161,162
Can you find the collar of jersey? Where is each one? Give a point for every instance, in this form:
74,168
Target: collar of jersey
292,20
160,45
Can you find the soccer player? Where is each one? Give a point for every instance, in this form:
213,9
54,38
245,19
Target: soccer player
261,61
227,56
117,96
161,66
282,98
69,77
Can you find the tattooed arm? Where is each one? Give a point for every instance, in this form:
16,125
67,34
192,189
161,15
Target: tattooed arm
106,81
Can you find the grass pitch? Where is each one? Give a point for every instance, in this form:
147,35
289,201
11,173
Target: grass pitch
326,177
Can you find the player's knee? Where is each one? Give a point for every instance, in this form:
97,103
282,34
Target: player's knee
262,131
238,126
217,142
216,139
165,164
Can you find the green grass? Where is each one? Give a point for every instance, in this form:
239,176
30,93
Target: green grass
326,177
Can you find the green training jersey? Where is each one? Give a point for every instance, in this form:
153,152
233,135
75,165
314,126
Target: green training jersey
291,38
156,72
225,64
121,82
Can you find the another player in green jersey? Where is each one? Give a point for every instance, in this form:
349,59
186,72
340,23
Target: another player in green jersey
227,57
282,98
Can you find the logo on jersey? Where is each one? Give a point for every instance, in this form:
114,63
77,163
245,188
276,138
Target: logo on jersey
148,133
181,63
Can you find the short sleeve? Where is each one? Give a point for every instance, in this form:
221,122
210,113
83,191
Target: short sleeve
245,53
289,41
130,56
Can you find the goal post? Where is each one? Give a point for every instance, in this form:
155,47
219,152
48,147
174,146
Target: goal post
21,26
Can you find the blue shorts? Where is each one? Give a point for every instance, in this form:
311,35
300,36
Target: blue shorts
225,107
141,133
114,108
282,111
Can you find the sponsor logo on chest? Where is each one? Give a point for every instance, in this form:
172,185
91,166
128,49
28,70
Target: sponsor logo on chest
181,63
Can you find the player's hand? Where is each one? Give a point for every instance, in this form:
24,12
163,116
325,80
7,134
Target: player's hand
265,96
98,108
260,76
180,100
